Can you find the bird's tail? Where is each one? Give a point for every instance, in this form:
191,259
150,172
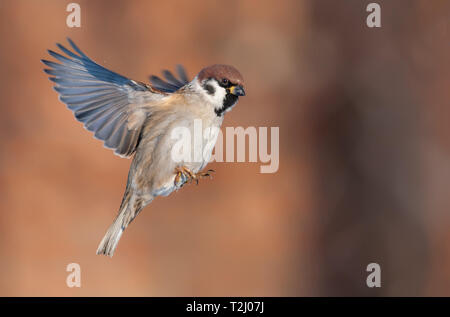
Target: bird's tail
129,209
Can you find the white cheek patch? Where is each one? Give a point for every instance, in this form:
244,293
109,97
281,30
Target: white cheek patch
219,93
217,98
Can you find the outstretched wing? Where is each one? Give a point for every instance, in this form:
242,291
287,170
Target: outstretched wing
108,104
172,83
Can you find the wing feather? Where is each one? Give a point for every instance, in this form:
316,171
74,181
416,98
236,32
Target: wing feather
171,78
172,83
102,100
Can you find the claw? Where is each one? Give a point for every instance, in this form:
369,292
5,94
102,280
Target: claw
184,171
207,173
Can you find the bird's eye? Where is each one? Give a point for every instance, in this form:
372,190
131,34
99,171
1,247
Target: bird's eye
225,81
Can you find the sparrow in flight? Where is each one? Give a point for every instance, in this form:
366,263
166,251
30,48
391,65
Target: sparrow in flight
136,119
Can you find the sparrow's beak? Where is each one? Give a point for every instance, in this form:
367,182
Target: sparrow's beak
237,90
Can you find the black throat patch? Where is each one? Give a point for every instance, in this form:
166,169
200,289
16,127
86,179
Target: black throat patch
229,101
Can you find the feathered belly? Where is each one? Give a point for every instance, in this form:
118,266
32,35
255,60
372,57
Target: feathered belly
201,153
165,153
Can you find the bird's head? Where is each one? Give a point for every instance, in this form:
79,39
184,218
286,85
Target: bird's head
222,85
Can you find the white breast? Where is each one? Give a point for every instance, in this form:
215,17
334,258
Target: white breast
210,135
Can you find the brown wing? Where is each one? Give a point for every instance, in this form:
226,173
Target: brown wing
108,104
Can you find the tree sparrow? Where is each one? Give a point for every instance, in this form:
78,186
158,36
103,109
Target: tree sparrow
136,118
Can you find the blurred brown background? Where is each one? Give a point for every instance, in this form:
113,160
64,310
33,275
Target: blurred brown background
364,152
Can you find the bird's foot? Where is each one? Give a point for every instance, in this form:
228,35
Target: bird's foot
189,176
184,175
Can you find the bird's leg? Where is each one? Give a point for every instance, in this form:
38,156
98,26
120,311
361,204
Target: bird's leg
186,172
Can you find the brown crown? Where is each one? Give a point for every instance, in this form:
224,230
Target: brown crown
222,71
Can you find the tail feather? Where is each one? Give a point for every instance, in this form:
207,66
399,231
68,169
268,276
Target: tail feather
109,242
129,209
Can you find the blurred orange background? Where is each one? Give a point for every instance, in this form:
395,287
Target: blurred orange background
364,152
